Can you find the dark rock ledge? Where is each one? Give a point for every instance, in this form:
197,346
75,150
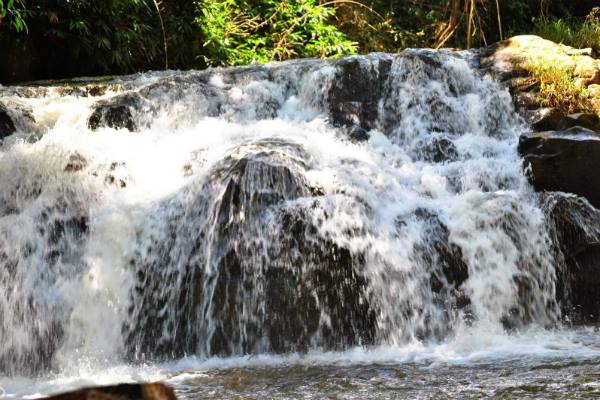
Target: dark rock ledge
564,161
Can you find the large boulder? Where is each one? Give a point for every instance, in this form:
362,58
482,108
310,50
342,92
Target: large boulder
564,161
242,268
508,59
125,391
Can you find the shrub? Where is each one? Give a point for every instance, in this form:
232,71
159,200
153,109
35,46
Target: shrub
239,32
558,87
578,34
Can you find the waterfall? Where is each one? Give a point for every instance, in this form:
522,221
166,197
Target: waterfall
371,200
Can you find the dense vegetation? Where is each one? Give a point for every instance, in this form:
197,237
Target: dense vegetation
63,38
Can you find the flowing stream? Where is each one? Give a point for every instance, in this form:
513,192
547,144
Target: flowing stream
308,229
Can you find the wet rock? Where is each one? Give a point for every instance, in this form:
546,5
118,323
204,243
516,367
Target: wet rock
330,281
126,391
550,119
44,339
563,161
135,110
117,113
447,271
7,126
437,251
117,175
584,270
15,117
575,226
357,87
258,278
237,76
28,92
586,120
56,249
527,101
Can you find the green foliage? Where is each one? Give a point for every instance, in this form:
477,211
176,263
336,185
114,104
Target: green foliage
108,33
556,30
61,38
578,34
239,32
12,11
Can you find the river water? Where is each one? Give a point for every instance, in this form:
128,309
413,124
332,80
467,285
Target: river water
310,229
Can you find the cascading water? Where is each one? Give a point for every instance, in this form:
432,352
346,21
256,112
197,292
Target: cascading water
373,201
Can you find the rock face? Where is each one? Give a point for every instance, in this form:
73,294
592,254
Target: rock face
576,228
564,161
127,391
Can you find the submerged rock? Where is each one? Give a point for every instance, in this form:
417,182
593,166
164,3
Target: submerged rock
76,162
125,391
438,149
564,161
